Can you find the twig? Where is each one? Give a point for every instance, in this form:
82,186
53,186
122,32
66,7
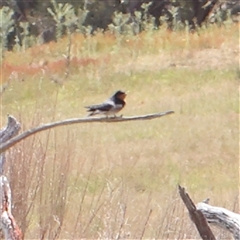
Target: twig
145,224
123,219
13,141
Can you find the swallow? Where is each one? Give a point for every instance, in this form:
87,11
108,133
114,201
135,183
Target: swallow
109,107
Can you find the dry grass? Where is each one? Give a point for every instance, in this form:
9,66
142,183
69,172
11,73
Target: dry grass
112,181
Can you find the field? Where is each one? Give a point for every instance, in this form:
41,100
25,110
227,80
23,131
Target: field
119,180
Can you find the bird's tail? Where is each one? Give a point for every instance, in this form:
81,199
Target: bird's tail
91,110
91,114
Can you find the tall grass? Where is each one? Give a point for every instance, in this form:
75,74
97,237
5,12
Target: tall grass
112,181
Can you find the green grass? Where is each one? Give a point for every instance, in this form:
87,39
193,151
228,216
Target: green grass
100,180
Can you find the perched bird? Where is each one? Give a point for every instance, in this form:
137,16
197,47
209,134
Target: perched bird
109,107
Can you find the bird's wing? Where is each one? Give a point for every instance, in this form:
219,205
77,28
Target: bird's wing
106,106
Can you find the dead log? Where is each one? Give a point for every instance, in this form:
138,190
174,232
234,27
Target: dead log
196,216
222,218
8,225
203,213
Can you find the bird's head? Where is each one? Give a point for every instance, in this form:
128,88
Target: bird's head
120,95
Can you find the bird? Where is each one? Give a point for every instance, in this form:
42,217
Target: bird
109,107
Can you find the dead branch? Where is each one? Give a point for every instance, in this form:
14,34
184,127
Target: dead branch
196,216
222,218
11,130
13,141
8,225
203,213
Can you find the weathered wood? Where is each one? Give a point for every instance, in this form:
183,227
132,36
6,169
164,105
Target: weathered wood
196,216
11,130
8,224
2,162
13,141
222,218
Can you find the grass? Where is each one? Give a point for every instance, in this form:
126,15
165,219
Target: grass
120,180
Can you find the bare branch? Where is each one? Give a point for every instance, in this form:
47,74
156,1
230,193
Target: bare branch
196,216
221,217
13,141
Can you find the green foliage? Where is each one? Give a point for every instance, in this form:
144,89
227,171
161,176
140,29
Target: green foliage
81,17
63,15
221,16
123,24
181,13
120,24
142,20
27,39
7,26
88,16
67,18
